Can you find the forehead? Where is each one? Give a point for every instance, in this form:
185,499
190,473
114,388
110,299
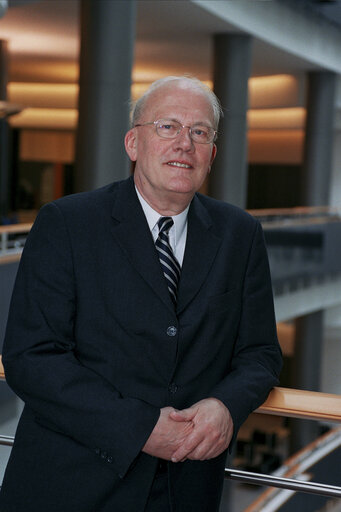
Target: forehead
180,101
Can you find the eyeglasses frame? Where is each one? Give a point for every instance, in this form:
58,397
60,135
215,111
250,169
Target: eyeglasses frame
182,126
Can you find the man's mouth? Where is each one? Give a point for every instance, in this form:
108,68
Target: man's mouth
179,164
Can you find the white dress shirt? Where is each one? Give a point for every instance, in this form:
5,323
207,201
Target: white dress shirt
177,233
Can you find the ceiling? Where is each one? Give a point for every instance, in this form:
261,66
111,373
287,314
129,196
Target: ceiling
43,39
330,9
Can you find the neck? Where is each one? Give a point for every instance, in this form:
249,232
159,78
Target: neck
169,205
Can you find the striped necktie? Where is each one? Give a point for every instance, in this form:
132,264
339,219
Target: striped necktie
169,264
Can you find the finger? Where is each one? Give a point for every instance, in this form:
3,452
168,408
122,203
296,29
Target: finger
183,415
203,452
186,448
180,455
209,448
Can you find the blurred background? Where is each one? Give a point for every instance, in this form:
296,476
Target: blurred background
69,70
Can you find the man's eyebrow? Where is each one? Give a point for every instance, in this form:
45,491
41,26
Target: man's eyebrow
204,123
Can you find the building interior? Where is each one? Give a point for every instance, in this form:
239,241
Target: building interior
68,72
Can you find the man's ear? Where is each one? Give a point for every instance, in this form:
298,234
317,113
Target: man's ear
213,154
130,143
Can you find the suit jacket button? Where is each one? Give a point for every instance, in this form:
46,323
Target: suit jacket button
172,388
172,330
109,459
104,455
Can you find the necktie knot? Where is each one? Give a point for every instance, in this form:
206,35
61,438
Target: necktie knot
164,224
169,263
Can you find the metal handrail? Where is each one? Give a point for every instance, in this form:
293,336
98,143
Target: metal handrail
297,404
6,440
295,472
283,483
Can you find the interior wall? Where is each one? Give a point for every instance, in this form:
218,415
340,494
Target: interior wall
47,146
275,146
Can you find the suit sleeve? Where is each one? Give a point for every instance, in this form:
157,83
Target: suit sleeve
257,359
40,354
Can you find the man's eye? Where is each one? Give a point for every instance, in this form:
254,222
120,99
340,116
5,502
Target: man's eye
167,127
200,132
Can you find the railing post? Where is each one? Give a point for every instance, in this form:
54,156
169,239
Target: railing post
4,239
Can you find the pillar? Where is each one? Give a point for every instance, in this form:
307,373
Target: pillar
232,65
4,135
106,59
3,7
317,166
307,371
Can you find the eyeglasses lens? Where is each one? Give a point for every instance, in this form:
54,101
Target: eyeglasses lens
169,129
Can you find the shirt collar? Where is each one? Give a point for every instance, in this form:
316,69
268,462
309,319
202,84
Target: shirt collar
153,216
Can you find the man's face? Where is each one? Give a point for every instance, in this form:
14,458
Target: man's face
171,170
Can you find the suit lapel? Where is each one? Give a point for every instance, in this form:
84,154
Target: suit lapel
131,232
201,247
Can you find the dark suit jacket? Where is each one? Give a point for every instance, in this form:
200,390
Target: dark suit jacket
95,348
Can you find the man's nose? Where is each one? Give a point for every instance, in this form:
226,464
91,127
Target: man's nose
184,140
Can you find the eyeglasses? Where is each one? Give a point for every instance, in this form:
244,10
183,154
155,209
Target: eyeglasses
170,129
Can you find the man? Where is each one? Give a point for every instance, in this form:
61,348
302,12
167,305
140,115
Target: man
141,332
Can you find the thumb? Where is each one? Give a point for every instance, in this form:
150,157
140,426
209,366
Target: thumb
183,415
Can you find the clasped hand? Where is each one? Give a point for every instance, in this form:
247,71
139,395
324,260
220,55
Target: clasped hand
201,432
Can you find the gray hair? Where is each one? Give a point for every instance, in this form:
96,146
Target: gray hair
138,107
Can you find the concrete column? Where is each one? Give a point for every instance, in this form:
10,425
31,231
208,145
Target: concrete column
232,65
335,182
106,59
307,371
4,135
319,138
3,7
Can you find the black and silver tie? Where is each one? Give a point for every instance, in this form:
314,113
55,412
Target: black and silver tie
169,264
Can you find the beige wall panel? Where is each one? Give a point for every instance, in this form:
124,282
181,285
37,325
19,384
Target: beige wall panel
276,91
275,146
47,146
43,95
64,119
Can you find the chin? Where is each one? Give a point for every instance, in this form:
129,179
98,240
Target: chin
184,186
182,190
